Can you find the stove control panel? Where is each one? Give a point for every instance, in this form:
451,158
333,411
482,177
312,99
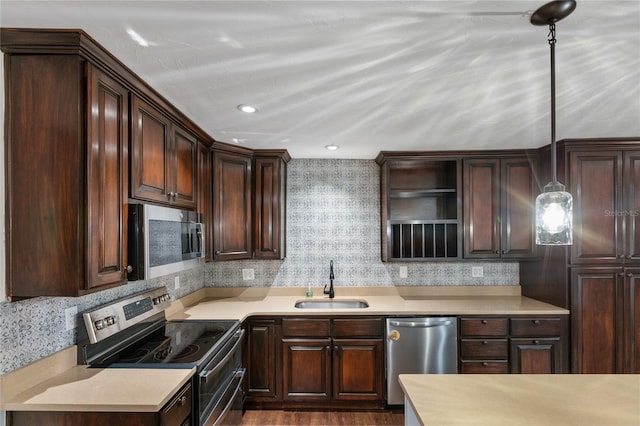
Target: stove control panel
114,317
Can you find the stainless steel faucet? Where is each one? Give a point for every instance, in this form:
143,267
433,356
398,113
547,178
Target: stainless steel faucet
330,292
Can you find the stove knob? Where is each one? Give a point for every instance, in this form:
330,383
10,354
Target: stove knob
156,300
99,324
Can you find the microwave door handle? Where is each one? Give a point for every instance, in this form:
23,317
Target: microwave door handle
206,373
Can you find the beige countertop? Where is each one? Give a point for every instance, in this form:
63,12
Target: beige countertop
522,399
213,304
55,384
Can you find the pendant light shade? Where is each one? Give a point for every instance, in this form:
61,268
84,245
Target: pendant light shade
554,207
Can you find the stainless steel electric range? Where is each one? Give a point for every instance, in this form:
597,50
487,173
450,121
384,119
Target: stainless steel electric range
134,333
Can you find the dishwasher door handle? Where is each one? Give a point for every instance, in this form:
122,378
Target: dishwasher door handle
417,324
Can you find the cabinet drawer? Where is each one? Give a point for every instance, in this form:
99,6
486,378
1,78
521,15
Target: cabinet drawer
178,409
361,327
484,326
535,327
306,327
484,349
484,367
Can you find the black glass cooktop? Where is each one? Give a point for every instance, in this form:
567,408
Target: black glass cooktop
176,342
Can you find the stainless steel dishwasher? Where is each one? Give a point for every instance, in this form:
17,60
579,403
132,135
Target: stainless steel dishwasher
422,345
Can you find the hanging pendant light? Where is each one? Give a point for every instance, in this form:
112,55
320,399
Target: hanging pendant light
554,207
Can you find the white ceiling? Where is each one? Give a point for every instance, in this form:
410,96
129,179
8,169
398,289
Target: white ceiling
372,76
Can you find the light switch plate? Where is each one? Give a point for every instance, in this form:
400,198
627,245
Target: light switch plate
71,317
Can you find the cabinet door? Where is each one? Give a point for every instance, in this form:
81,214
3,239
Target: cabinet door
306,369
596,185
535,356
632,319
517,219
232,206
631,214
270,193
150,132
261,359
597,321
183,168
358,368
107,130
481,208
204,204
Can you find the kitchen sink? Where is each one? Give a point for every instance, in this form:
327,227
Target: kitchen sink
331,304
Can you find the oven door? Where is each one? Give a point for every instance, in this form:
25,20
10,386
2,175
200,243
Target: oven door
220,383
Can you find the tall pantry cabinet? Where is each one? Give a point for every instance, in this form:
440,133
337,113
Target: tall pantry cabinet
597,277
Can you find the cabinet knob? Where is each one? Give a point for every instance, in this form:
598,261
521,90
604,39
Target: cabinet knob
484,342
629,257
485,364
129,269
535,342
182,400
621,274
629,274
483,321
536,321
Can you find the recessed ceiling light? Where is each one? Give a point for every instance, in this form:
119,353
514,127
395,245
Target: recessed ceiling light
332,147
249,109
137,38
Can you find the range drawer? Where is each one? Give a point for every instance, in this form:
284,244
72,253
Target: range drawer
306,327
527,327
484,327
484,367
484,349
361,327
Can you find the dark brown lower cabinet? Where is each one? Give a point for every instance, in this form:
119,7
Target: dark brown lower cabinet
535,356
306,369
519,345
606,320
315,362
177,412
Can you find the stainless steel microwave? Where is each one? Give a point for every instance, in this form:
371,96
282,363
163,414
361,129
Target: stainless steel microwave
163,240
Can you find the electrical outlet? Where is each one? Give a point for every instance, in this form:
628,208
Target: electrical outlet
477,271
71,317
403,272
248,274
176,283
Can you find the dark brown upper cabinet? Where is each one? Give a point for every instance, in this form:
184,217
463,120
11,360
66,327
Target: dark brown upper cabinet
270,196
249,203
163,158
232,208
606,188
499,207
70,108
66,176
420,207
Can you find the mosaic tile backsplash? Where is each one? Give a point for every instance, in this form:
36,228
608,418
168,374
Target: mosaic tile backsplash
333,213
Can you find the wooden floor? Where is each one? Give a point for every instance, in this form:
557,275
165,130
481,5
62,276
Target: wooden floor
277,417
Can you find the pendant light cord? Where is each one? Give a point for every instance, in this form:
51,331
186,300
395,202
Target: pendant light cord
552,46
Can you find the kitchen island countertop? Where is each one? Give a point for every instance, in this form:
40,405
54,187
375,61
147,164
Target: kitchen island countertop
522,399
